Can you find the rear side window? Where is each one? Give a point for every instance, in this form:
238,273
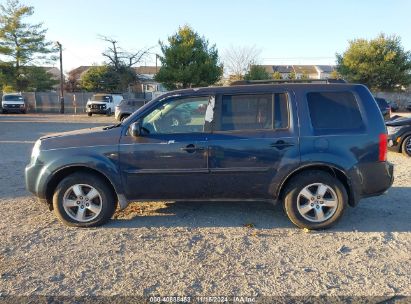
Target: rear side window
334,111
254,112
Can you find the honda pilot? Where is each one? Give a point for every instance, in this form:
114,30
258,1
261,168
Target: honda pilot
314,148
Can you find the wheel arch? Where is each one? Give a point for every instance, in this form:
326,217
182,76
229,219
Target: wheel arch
328,168
59,175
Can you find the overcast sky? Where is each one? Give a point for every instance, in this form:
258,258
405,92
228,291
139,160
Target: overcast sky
287,32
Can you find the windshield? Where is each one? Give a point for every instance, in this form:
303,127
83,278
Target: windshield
13,98
103,98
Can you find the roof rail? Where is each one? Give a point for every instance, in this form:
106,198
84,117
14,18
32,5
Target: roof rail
268,81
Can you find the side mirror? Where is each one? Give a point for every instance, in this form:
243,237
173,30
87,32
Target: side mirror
135,129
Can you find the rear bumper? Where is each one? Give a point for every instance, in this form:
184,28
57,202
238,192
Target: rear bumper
371,179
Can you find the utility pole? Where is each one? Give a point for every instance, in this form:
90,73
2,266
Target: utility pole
61,79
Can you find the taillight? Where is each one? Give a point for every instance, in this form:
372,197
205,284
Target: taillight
382,155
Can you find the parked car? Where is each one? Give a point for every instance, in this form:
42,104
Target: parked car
316,148
103,104
13,103
409,106
399,135
394,106
126,107
384,107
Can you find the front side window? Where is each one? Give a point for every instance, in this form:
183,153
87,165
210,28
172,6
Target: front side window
336,111
254,112
185,115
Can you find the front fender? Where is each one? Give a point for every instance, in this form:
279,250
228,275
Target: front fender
53,162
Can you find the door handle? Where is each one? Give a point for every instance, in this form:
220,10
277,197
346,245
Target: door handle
281,144
192,148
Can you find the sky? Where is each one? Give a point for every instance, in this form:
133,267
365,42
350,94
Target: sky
286,32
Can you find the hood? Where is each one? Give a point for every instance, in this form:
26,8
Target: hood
99,136
398,121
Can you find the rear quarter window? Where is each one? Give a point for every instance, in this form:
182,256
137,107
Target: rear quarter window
334,112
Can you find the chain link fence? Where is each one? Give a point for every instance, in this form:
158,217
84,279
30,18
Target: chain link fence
74,103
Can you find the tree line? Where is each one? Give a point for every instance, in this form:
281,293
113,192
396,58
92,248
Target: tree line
187,60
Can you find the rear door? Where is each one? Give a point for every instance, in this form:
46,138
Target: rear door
255,138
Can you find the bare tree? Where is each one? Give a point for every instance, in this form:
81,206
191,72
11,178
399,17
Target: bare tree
119,58
238,59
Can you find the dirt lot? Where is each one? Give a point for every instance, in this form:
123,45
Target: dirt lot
195,248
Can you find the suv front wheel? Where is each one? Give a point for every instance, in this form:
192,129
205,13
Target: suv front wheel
315,200
83,200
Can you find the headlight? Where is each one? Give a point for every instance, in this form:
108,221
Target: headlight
36,149
393,130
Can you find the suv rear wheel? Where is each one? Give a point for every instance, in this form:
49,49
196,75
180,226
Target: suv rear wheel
315,200
83,200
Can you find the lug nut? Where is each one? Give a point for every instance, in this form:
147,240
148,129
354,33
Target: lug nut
87,204
312,204
78,202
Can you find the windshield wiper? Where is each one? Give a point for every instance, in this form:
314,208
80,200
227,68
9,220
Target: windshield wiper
112,126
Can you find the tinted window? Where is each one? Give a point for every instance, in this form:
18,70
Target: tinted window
334,111
253,112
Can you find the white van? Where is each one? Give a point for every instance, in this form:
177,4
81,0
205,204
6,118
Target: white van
103,104
13,102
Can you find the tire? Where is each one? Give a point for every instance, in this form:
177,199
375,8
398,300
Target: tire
78,210
406,146
124,117
23,112
4,111
89,114
318,211
108,112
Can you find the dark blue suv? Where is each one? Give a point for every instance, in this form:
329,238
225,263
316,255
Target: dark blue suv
316,148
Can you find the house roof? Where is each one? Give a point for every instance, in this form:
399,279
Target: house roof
146,70
78,72
282,68
326,68
305,69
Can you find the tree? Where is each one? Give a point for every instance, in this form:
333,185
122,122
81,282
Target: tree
100,79
276,75
119,58
39,79
188,61
380,63
24,44
238,60
257,72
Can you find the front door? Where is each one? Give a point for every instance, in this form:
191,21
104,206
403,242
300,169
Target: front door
254,139
169,160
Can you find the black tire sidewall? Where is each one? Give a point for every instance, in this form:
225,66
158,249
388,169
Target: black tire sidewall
107,197
403,147
298,183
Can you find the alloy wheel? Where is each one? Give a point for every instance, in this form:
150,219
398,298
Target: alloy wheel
317,202
82,202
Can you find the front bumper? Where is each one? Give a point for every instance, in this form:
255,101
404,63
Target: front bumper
96,111
14,108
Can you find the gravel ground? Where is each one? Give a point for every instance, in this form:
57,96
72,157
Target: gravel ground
195,249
